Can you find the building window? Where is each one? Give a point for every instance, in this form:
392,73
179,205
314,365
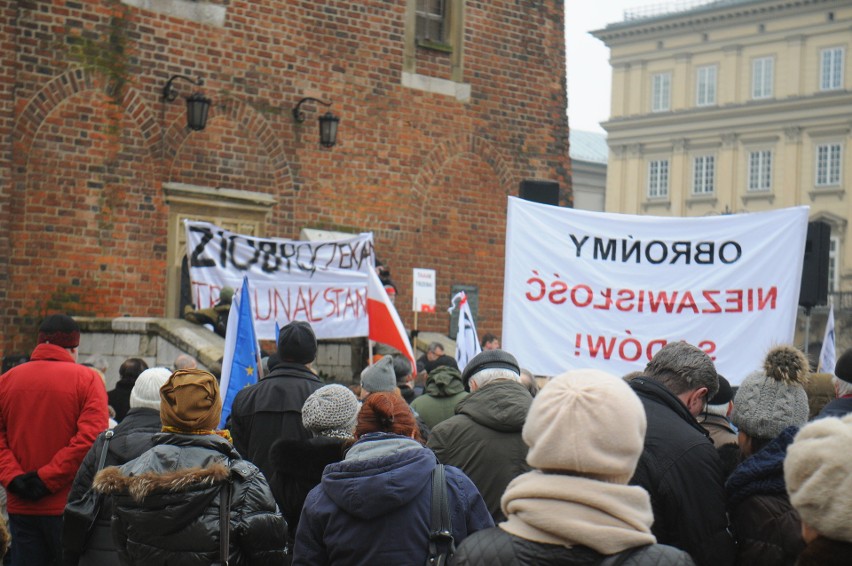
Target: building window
432,21
658,178
661,92
760,170
833,271
703,174
706,86
828,164
831,69
762,77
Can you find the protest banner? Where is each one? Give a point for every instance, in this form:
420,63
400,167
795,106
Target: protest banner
424,290
607,291
323,283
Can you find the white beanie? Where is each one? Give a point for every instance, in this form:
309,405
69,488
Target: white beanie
818,474
146,390
587,422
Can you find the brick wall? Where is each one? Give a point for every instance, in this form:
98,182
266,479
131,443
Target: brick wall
82,162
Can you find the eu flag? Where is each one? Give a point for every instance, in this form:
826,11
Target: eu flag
241,356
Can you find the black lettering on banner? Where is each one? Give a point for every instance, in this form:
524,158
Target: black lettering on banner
249,263
196,259
579,245
605,253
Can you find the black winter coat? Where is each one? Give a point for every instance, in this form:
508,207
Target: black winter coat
297,467
270,410
119,398
483,439
131,437
166,505
767,527
496,547
681,470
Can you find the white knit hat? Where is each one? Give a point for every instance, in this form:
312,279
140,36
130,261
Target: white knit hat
818,474
587,422
769,401
331,410
146,390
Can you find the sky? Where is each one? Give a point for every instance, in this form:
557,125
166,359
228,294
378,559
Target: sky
589,72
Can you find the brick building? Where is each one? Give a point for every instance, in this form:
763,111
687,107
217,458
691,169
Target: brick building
444,108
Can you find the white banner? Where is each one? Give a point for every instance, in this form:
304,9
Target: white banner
323,283
589,289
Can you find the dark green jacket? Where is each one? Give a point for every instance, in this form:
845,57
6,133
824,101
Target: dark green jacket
444,390
484,439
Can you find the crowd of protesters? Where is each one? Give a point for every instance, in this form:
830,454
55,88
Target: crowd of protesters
668,465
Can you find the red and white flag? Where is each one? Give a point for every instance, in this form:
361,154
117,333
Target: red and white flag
385,324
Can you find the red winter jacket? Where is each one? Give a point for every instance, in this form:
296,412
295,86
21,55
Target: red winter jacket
51,410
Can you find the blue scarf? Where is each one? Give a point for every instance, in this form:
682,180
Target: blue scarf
763,472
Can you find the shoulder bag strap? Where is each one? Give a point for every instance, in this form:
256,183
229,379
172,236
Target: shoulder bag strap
104,449
440,526
225,522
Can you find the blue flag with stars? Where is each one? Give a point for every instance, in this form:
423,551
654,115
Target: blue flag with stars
241,356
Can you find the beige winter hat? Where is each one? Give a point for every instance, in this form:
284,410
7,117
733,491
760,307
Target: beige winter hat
586,422
818,473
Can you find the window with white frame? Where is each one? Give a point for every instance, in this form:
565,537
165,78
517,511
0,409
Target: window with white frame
661,92
760,170
833,268
703,174
831,69
705,87
658,178
828,157
762,71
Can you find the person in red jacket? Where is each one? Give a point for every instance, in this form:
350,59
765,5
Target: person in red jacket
51,410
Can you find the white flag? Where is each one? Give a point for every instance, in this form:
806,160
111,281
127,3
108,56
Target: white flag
467,342
827,355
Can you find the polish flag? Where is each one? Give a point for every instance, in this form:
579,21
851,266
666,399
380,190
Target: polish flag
385,324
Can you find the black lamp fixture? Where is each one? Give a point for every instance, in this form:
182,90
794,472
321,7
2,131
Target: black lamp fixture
197,105
327,122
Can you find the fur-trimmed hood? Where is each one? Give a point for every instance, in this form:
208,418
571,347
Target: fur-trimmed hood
112,481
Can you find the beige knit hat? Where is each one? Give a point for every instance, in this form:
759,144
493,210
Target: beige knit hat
587,422
818,473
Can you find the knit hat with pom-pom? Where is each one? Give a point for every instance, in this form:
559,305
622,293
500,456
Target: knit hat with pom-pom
769,401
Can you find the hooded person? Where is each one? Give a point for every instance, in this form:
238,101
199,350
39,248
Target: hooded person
330,414
133,436
167,502
585,431
483,438
818,475
271,409
769,408
444,390
374,506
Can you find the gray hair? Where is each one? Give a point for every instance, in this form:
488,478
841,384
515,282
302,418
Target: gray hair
682,367
434,346
486,376
99,362
842,387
